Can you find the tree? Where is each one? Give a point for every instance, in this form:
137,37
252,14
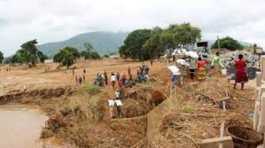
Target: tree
89,53
106,56
28,54
153,45
1,57
42,57
133,44
228,43
32,49
94,55
183,34
145,44
88,47
21,56
67,56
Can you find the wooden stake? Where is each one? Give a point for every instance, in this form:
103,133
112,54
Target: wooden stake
263,67
258,79
261,124
222,134
224,105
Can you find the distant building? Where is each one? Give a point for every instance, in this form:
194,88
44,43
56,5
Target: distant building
116,56
48,61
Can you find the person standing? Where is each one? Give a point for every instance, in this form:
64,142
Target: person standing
201,67
113,79
106,78
241,74
73,72
216,62
118,76
151,61
192,67
123,79
129,73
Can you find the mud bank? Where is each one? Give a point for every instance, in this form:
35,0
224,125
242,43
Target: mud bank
39,93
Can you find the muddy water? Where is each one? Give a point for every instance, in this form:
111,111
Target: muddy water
20,127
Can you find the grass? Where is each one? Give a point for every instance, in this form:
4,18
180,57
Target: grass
188,109
91,89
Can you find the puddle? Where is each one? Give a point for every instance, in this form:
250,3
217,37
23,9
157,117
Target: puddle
20,126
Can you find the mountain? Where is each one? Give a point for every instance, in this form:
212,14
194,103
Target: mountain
103,42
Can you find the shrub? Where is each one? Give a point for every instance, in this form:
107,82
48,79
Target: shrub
91,89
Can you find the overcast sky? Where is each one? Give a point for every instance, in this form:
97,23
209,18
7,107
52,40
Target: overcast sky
55,20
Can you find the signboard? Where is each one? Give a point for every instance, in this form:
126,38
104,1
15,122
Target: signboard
174,69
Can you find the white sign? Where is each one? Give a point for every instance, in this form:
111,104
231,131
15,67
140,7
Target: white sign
174,69
183,62
113,102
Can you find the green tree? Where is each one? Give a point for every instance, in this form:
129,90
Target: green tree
145,44
94,55
32,49
67,56
1,57
228,43
182,35
28,54
42,56
21,56
88,47
106,56
152,46
89,52
133,44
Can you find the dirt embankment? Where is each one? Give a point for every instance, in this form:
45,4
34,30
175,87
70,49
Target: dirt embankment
194,113
149,118
17,95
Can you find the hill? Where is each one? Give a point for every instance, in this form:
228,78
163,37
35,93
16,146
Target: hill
103,42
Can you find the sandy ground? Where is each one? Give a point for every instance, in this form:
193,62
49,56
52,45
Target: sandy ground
129,130
22,77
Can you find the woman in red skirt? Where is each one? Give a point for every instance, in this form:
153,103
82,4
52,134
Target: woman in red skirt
241,74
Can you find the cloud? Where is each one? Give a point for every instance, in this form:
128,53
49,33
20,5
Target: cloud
61,19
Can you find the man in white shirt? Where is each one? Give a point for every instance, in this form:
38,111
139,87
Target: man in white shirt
113,80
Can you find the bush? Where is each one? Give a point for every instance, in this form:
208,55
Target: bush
228,43
188,109
106,56
91,89
67,56
90,55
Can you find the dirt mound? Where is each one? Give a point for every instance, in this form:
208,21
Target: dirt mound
157,98
140,102
134,108
118,133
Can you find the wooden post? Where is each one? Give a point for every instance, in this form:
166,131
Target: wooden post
257,109
222,134
263,67
256,115
261,124
258,80
224,105
214,142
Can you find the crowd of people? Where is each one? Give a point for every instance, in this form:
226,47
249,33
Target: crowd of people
200,67
118,80
79,78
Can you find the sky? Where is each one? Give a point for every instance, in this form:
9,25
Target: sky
56,20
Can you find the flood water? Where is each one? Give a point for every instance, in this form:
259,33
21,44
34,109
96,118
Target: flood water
20,127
